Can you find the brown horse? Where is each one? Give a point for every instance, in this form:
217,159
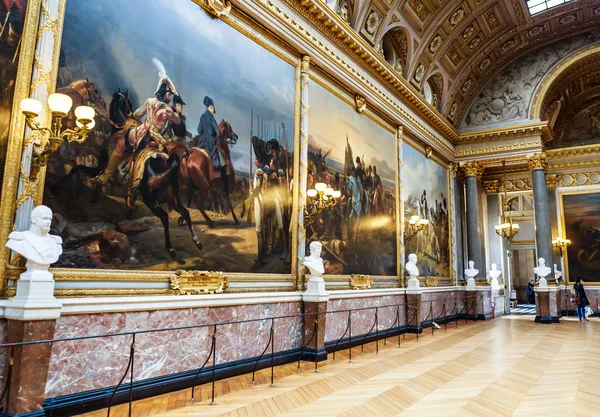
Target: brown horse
83,93
196,169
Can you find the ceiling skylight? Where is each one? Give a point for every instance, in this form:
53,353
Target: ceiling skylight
537,6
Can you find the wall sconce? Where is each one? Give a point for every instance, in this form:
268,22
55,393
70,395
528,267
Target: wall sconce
506,229
415,225
319,198
59,105
561,243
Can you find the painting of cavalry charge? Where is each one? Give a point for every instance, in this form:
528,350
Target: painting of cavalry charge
352,154
426,195
582,227
12,17
189,165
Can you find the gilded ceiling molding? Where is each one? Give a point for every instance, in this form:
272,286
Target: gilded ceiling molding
472,169
485,150
584,54
331,24
360,103
578,179
491,186
537,161
588,150
512,132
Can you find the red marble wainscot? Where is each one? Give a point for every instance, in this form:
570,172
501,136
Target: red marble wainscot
3,354
97,363
363,320
436,305
30,364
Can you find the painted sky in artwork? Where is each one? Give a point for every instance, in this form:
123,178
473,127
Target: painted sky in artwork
420,173
331,120
113,43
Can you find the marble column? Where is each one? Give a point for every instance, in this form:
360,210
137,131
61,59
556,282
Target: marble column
543,232
456,219
473,172
303,164
400,203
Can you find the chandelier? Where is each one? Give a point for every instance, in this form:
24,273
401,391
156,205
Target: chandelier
319,198
415,225
506,229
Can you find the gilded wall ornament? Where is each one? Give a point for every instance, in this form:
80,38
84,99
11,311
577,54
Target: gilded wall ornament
219,8
466,85
457,17
570,18
472,169
419,8
551,180
435,44
537,161
372,23
485,63
428,151
360,103
468,32
360,282
453,110
476,41
343,10
197,282
491,19
492,186
453,55
508,45
535,31
596,11
419,72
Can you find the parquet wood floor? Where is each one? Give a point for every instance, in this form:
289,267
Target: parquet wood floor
510,366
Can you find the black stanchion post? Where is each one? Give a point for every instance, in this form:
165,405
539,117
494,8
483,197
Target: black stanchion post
131,373
350,337
398,315
376,331
214,364
6,391
317,344
272,352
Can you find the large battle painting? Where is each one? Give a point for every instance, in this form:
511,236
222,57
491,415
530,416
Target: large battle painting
426,195
12,17
356,156
189,165
582,227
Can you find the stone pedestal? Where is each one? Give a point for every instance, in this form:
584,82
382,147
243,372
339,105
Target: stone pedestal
413,310
315,305
479,302
546,304
30,364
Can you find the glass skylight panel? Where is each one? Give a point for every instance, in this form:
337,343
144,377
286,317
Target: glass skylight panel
537,6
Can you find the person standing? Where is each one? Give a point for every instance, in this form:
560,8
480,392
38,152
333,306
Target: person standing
580,299
530,292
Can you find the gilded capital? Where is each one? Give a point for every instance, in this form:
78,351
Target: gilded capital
551,181
472,169
492,186
537,161
360,103
305,64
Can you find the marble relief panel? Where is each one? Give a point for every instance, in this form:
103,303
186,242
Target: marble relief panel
85,365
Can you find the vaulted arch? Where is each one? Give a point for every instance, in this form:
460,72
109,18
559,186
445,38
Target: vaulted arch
395,44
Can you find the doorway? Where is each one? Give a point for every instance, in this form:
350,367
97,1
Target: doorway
521,272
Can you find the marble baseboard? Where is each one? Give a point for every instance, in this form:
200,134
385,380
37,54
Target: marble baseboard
85,365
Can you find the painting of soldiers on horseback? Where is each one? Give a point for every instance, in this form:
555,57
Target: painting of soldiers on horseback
352,154
189,164
425,195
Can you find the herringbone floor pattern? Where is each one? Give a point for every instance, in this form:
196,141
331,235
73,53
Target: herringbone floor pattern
504,367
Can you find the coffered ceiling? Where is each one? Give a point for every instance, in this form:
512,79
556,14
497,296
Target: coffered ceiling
462,44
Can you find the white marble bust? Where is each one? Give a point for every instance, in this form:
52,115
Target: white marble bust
542,271
36,245
494,273
413,271
313,262
411,266
557,274
471,273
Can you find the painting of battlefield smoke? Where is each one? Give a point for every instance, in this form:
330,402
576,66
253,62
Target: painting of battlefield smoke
193,137
355,155
582,227
12,16
425,195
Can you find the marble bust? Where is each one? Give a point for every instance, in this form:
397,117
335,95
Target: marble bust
36,245
413,271
313,262
471,273
557,274
542,271
494,273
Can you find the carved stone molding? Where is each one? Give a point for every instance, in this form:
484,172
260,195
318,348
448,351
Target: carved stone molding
360,103
305,64
537,161
472,169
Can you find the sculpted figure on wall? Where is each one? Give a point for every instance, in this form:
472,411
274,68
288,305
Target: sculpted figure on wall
508,95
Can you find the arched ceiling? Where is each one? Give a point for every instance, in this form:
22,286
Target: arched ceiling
467,42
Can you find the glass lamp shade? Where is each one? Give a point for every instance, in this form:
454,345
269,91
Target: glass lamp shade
337,194
30,106
498,228
329,191
60,104
320,187
311,193
90,125
423,222
567,242
413,220
84,113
